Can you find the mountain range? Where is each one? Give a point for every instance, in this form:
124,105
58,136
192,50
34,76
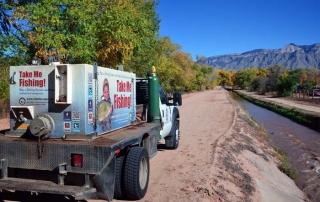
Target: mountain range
291,56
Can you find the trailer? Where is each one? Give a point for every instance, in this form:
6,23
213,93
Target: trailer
84,131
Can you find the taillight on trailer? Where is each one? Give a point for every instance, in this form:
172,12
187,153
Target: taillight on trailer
77,160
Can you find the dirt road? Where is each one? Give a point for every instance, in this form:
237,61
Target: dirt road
182,174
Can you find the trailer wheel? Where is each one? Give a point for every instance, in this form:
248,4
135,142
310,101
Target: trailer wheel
136,173
174,138
118,182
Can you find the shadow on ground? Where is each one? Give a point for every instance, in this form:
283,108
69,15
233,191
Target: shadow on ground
35,197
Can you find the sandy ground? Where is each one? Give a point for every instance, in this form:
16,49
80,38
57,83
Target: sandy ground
185,174
222,156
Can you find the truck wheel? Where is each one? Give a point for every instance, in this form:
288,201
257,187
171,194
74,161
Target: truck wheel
175,134
173,141
118,182
136,173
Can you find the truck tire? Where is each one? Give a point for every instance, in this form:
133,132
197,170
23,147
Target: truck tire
172,142
118,182
136,173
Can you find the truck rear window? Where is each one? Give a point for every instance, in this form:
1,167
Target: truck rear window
142,91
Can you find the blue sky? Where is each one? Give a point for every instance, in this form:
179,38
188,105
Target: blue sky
216,27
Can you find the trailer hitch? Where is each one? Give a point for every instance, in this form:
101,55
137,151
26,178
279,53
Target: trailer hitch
62,168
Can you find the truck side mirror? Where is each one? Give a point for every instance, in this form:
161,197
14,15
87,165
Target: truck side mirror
177,99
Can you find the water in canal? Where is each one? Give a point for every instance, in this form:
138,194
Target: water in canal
301,144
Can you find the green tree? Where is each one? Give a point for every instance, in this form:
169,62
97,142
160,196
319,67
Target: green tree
128,31
13,43
167,59
286,83
259,83
274,77
5,7
4,85
203,74
176,71
245,77
169,73
107,31
199,76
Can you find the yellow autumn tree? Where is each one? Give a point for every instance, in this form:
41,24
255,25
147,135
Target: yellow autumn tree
225,77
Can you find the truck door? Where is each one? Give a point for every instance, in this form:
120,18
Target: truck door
166,114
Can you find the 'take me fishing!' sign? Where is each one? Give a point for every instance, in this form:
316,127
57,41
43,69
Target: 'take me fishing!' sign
31,79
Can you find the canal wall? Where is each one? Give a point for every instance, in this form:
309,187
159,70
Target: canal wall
246,164
301,114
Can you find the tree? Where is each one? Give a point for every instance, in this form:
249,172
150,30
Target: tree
199,76
259,83
169,73
128,32
4,85
206,71
13,43
107,31
176,71
286,83
245,77
4,17
212,80
200,58
274,77
185,62
225,77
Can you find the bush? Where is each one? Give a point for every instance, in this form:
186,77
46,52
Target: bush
286,85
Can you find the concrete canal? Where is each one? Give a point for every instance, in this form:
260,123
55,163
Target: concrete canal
301,144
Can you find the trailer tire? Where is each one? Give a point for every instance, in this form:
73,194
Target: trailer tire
174,138
118,182
136,173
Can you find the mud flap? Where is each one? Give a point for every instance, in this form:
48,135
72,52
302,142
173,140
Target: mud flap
104,181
